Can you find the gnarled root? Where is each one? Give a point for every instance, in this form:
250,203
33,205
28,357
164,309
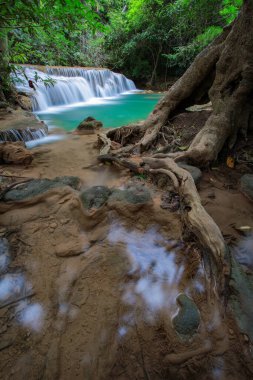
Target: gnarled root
195,216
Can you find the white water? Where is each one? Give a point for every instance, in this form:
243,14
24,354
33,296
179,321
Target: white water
22,134
73,85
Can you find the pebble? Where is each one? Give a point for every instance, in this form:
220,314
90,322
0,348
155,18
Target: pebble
53,225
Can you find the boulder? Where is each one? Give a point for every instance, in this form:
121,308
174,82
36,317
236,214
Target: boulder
15,153
134,194
193,170
89,126
95,197
38,186
246,185
187,320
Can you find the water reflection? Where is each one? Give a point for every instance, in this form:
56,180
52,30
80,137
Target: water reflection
244,251
16,291
32,317
12,287
154,266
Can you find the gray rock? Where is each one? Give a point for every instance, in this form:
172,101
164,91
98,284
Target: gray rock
133,194
246,184
89,126
95,196
193,170
4,254
187,320
241,299
39,186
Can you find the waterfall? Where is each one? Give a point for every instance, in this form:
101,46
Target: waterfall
72,85
27,134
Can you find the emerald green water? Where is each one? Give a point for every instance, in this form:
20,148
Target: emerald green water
113,112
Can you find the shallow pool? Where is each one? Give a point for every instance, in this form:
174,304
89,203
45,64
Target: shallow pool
113,112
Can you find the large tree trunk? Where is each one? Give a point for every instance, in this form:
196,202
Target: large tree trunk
4,65
227,66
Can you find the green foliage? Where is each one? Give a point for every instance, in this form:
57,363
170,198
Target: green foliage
43,32
230,9
142,38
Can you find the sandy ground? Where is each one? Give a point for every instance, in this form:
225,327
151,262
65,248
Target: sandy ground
92,294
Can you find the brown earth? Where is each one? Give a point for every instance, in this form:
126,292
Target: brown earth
99,287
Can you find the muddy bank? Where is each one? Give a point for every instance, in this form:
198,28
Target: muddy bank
103,283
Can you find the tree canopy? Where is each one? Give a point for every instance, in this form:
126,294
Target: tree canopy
142,38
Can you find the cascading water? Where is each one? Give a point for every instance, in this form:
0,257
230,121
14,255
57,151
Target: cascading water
72,85
22,134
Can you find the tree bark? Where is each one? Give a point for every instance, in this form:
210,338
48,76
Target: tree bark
4,65
226,67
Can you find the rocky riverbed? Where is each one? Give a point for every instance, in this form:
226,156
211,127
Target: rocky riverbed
99,280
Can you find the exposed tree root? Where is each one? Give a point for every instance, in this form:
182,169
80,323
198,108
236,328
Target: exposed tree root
194,216
224,71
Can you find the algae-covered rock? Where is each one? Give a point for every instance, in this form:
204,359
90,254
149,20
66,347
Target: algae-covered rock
187,320
38,186
247,185
95,196
133,194
89,126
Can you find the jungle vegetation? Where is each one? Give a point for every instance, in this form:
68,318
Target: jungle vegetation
144,39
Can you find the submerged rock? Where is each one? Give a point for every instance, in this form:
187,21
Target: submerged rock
187,320
37,186
89,126
193,170
247,185
95,196
133,194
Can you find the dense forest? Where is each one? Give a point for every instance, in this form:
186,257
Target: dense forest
145,39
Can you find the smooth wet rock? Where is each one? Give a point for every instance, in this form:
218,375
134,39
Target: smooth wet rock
89,126
38,186
187,320
241,298
193,170
133,194
246,184
95,197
